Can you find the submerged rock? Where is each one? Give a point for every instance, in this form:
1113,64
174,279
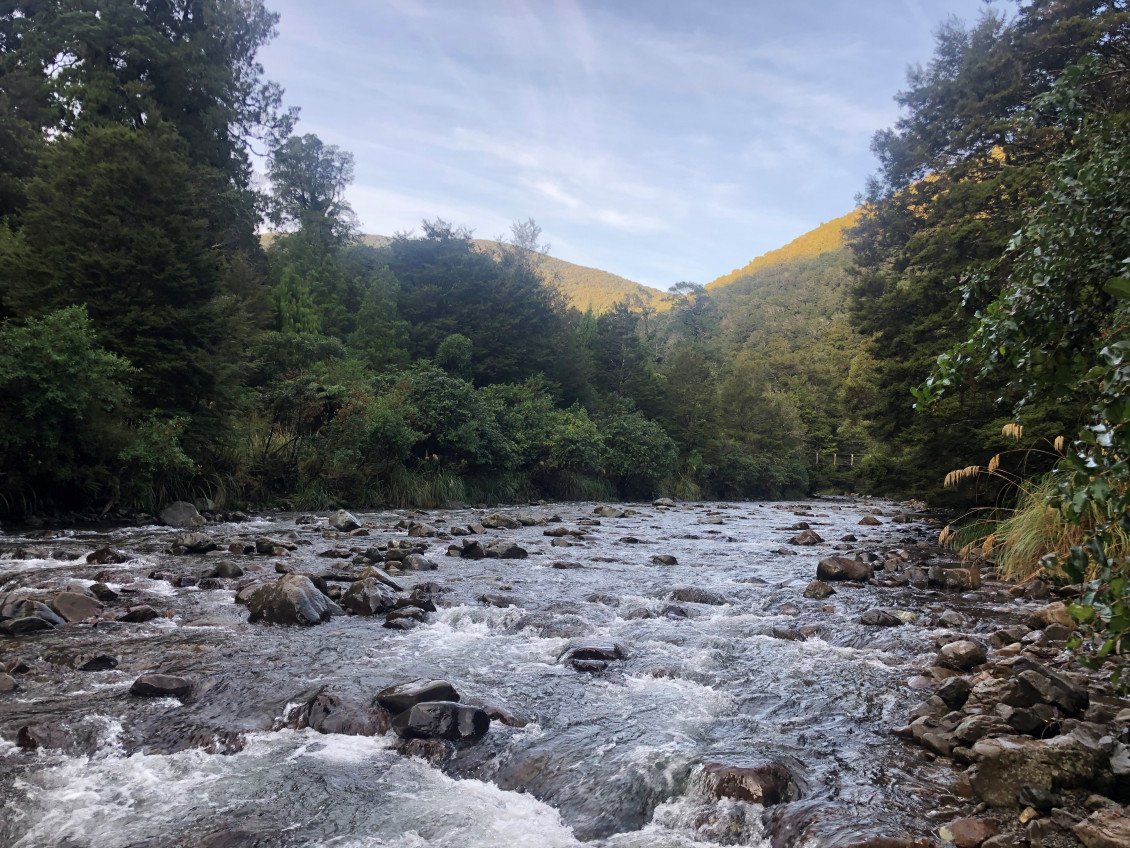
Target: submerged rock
766,785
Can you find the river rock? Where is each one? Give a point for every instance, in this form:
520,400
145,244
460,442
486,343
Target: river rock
691,595
369,597
1107,828
329,713
1004,764
382,576
72,606
968,833
226,569
962,655
266,546
955,691
292,599
592,656
842,568
664,559
160,686
1008,635
609,512
818,590
506,550
473,549
106,556
404,618
501,600
26,625
870,521
806,538
498,521
343,521
181,514
8,683
977,727
664,502
403,696
419,530
102,592
417,562
138,614
880,618
193,543
442,720
766,784
1053,613
32,736
556,532
1042,684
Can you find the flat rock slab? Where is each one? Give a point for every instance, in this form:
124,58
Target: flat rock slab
403,696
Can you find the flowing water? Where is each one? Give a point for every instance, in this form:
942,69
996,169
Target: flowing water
608,759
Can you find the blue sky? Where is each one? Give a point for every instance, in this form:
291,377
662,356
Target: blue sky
662,140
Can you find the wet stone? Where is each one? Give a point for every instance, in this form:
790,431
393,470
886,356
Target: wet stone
160,686
8,683
103,592
140,613
97,662
343,521
962,655
106,556
442,720
818,590
766,784
403,696
49,736
880,618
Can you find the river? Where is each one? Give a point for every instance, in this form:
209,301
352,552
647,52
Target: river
607,759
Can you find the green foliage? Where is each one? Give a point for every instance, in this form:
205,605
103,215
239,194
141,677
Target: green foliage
63,400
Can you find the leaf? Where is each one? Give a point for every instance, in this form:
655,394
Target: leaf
1081,613
1118,286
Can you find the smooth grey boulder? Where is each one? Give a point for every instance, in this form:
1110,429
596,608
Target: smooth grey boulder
344,521
75,607
182,514
880,618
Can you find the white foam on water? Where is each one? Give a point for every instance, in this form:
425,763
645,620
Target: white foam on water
8,748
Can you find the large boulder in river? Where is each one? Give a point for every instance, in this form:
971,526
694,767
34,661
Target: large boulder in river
369,597
609,512
842,568
193,543
344,521
1006,763
442,720
329,713
75,607
182,514
292,599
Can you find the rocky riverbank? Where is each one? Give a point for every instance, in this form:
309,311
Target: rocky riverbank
663,674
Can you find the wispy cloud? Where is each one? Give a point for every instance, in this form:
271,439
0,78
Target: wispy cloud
660,142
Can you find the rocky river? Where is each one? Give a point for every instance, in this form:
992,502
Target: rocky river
549,675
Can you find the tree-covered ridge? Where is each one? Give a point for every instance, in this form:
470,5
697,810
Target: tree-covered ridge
826,238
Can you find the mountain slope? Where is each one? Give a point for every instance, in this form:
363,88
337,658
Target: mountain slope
826,238
583,287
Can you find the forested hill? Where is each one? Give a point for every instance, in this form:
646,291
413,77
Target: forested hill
583,287
826,238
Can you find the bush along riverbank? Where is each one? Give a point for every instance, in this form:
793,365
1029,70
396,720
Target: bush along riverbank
619,674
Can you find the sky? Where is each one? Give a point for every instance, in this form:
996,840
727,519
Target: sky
661,140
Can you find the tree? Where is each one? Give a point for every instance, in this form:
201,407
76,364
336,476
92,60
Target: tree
308,183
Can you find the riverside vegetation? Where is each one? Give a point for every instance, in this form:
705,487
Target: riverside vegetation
154,347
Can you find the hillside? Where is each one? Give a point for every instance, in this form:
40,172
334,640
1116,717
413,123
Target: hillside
584,287
826,238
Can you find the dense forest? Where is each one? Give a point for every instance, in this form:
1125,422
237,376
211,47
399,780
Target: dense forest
155,346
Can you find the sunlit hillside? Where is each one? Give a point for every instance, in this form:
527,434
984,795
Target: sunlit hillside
824,239
584,287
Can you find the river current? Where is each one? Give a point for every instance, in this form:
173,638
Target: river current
758,674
